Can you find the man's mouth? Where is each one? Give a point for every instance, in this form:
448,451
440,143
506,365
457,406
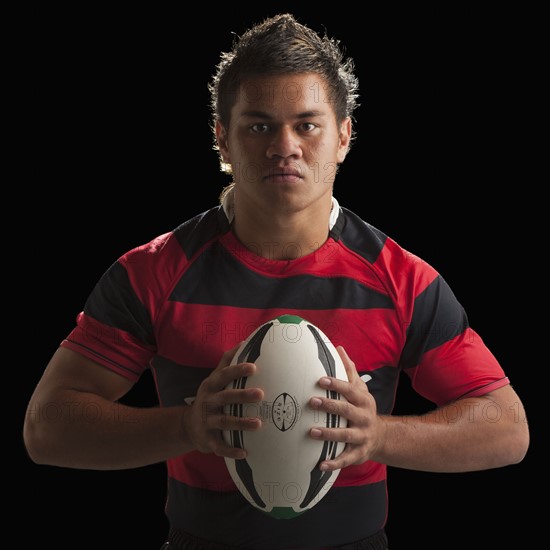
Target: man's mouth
286,174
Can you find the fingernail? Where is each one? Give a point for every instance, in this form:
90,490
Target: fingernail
325,381
315,432
316,402
323,467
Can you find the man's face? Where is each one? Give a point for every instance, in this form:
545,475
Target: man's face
283,141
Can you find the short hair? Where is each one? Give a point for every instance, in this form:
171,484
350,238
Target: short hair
281,45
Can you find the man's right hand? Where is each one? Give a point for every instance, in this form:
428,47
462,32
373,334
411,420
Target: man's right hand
205,419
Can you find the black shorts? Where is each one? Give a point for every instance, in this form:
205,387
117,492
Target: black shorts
179,540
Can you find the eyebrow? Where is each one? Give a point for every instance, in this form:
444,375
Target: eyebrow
266,116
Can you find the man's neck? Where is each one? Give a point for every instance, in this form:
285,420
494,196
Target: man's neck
282,235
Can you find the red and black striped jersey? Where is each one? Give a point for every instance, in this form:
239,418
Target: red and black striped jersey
175,304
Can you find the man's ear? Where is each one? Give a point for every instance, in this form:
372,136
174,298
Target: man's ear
344,139
221,139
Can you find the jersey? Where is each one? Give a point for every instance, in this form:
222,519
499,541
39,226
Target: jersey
175,304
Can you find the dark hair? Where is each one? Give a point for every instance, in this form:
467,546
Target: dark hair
281,45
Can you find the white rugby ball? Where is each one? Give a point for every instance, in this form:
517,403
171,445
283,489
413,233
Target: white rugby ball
281,474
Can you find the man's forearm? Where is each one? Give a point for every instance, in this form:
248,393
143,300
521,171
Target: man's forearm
82,430
468,435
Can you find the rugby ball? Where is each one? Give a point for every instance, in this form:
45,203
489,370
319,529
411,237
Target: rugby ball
280,475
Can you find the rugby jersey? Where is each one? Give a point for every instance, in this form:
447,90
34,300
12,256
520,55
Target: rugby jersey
175,304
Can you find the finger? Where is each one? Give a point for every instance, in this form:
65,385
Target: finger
228,355
220,448
221,377
349,365
232,423
226,422
341,387
339,407
229,452
354,392
239,397
341,435
348,457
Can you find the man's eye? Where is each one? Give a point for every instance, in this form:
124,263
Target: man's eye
259,128
308,127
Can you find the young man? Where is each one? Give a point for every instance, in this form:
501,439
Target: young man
279,242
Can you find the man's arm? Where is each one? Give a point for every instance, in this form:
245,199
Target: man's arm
473,433
74,420
470,434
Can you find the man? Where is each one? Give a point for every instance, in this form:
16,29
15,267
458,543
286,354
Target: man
279,242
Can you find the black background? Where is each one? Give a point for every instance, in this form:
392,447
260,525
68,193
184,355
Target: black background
113,117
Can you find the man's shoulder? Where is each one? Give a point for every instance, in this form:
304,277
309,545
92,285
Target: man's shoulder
179,244
383,252
195,232
359,235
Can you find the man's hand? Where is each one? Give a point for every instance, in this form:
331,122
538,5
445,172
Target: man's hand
205,420
364,429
